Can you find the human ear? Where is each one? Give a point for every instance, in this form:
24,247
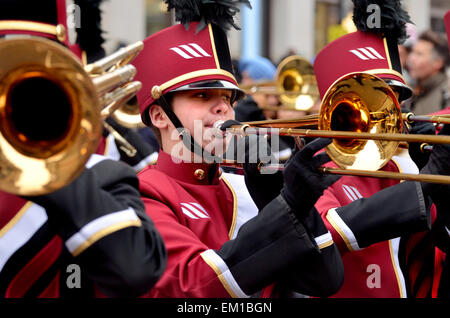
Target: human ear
158,117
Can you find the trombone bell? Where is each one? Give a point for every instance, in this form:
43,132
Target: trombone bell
361,103
49,116
296,82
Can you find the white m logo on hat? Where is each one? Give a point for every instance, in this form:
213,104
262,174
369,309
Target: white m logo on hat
190,51
367,53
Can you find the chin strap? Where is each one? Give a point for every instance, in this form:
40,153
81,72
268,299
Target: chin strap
187,139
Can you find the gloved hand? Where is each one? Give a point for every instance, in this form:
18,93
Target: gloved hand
417,155
96,192
439,163
303,183
263,187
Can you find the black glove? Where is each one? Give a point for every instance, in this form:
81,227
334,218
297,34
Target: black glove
263,187
439,163
96,192
417,155
303,183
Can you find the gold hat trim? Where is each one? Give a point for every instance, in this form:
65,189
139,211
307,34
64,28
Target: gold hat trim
59,30
194,74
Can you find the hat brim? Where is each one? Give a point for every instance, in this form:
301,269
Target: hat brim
208,84
405,91
213,84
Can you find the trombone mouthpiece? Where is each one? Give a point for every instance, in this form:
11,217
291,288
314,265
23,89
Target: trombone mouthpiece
224,125
218,124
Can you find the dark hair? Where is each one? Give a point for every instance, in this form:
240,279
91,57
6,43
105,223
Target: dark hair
440,46
236,70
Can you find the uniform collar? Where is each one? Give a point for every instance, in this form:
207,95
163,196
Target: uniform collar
195,173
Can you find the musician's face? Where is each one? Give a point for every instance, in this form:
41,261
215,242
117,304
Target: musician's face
198,110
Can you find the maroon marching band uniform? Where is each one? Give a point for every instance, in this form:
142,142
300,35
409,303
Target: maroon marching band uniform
197,213
439,282
344,206
38,244
219,245
374,271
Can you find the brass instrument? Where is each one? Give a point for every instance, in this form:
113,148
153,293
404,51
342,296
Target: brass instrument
295,83
361,113
312,121
50,111
128,115
124,110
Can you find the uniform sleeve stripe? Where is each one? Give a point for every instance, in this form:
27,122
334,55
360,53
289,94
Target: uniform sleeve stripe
223,273
100,227
149,160
344,231
21,229
324,240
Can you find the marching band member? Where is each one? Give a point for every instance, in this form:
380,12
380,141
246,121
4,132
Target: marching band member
373,221
441,276
376,223
219,244
90,238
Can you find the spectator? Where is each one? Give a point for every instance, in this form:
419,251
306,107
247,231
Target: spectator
427,65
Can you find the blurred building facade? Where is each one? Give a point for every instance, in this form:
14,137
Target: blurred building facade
273,29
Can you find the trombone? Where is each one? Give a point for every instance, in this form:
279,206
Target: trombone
52,110
295,83
362,115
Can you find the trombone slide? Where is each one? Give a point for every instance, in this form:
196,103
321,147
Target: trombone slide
247,130
431,178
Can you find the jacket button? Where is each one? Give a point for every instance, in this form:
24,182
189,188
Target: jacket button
199,174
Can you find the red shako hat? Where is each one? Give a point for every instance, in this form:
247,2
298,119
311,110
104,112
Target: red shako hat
191,55
49,19
359,52
371,50
177,59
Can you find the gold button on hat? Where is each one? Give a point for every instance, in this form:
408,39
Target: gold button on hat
199,174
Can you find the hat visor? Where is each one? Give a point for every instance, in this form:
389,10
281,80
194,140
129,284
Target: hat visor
212,84
404,90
